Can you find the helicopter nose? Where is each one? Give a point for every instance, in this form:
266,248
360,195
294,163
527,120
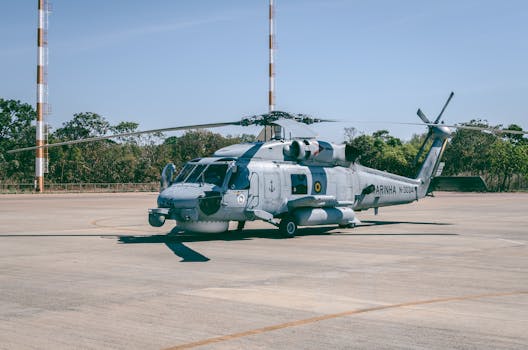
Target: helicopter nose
190,202
179,197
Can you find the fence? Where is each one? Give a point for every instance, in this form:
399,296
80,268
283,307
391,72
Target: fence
81,187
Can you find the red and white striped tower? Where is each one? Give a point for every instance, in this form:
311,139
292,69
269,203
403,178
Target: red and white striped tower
42,94
275,132
271,97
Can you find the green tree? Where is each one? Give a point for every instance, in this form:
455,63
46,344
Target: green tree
468,151
16,131
515,138
498,159
83,125
508,159
383,151
99,161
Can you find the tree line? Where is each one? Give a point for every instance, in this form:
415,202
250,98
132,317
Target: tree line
502,161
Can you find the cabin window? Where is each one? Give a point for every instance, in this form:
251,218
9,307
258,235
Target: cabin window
299,184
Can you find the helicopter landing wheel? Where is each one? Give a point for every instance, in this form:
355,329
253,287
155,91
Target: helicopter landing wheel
240,225
288,227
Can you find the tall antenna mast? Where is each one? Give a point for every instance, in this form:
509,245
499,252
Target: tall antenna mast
277,129
41,160
271,96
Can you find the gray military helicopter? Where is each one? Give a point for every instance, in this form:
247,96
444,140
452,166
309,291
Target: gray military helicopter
286,181
293,182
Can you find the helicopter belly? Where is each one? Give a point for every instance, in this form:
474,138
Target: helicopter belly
203,226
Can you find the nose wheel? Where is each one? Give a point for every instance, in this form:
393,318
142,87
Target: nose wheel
288,227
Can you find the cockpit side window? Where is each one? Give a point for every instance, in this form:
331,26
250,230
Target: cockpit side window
215,174
240,179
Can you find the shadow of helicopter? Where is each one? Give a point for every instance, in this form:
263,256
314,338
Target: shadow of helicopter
172,242
175,239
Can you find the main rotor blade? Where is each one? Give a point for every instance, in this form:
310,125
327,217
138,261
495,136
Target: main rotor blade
443,109
495,131
470,127
126,134
422,116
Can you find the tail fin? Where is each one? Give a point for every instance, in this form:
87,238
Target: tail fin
440,135
430,164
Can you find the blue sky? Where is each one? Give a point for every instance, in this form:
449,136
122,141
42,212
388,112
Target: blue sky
166,63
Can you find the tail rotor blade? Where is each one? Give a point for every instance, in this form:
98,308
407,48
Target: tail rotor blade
443,109
423,117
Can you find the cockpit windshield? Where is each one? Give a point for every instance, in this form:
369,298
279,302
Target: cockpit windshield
196,174
185,172
206,173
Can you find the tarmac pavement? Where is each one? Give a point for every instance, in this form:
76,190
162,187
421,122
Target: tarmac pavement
86,271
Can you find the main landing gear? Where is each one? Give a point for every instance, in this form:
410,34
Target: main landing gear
288,226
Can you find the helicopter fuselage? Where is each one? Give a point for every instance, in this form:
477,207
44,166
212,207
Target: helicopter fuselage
267,181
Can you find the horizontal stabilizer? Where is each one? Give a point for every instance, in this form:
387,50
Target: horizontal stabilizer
458,184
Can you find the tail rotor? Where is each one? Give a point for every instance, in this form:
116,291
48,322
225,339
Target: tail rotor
430,126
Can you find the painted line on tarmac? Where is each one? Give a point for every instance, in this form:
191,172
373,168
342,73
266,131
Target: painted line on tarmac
305,321
512,241
98,225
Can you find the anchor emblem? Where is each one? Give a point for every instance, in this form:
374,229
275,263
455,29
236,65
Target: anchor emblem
271,188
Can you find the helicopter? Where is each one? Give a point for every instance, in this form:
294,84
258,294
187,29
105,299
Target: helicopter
288,183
